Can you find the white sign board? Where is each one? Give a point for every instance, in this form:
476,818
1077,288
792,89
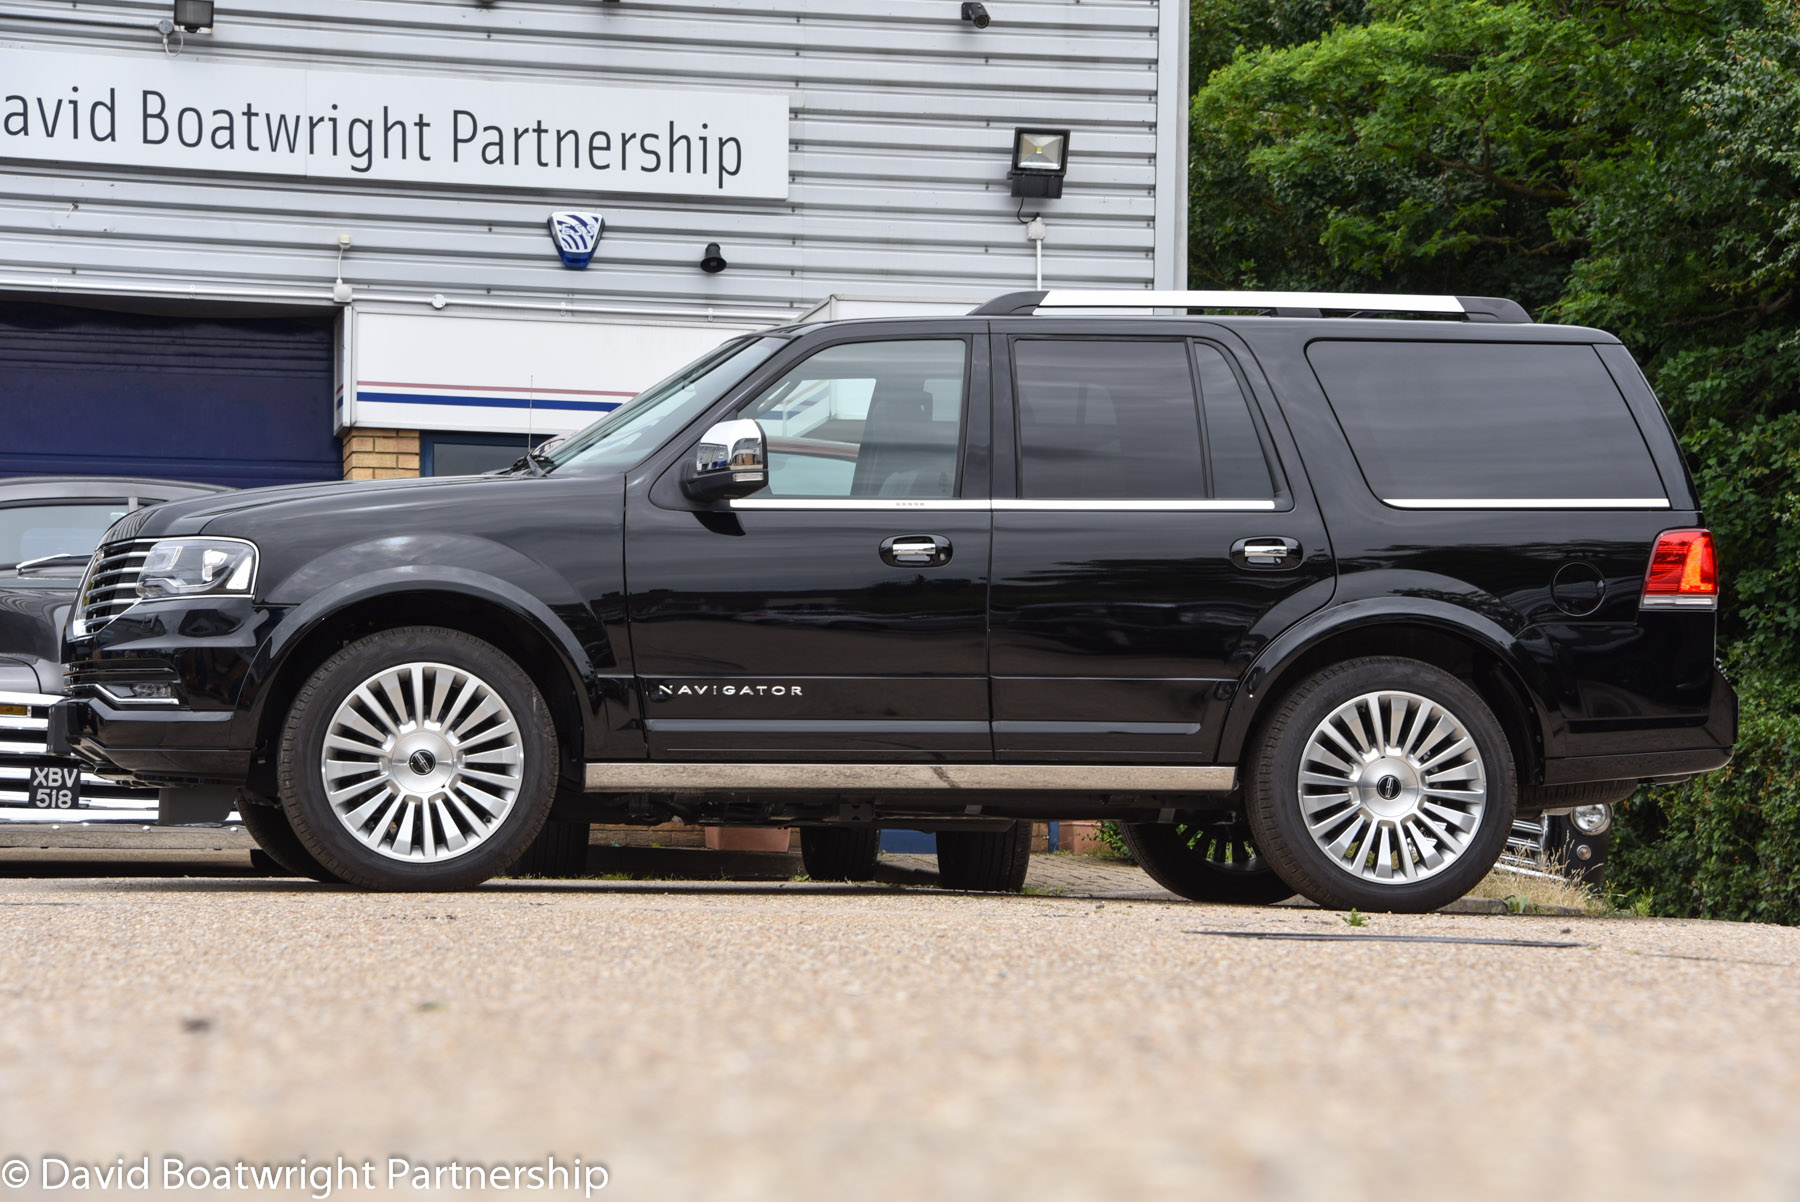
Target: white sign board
191,113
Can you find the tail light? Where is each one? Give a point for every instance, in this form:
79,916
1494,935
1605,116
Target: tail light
1684,572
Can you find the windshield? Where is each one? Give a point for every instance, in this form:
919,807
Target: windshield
640,425
30,532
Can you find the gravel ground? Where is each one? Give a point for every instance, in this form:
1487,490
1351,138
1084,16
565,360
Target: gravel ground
801,1041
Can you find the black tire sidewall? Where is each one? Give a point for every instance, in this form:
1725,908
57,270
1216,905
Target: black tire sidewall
302,783
1272,804
274,834
840,853
1161,851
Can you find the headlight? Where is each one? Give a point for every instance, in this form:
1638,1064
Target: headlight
1591,820
193,567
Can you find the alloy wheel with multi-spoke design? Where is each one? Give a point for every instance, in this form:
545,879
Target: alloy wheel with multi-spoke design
1392,787
422,762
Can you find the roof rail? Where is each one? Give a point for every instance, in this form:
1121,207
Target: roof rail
1282,304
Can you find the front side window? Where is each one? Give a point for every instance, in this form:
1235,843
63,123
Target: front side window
867,420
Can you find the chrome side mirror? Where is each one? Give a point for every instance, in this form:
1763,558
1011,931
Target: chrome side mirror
732,460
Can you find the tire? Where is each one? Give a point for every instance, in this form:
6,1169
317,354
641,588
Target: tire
1212,862
427,821
840,853
1421,858
1534,799
268,825
985,861
559,852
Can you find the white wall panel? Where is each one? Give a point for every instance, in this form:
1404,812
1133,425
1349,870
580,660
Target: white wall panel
901,119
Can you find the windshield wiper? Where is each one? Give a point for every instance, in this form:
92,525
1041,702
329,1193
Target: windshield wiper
533,462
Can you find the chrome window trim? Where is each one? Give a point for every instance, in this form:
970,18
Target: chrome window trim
855,503
636,775
1138,506
1532,503
1005,505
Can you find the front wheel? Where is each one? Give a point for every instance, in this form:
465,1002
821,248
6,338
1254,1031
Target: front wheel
1206,862
1381,784
276,839
418,759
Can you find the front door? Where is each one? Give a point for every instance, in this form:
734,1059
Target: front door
1147,541
841,612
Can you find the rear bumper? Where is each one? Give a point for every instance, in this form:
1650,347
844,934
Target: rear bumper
1696,746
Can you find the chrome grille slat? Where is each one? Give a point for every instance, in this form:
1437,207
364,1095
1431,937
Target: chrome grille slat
110,586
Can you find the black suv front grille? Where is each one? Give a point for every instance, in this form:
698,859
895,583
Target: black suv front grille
110,586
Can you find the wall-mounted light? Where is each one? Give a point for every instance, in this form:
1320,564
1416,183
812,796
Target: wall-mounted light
976,15
1040,159
712,262
194,16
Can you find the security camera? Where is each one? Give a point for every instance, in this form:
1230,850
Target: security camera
976,15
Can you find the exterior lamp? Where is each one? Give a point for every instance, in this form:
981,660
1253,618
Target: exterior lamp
712,262
194,16
1040,159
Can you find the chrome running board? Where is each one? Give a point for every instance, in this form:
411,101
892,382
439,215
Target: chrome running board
641,777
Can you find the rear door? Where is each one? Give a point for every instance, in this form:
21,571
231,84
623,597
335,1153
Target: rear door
1151,533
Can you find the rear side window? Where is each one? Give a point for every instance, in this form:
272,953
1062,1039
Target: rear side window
1465,423
1123,420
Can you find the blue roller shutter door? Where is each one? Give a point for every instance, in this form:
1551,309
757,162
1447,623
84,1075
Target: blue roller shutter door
237,401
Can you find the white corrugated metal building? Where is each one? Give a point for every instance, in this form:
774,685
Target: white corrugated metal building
172,209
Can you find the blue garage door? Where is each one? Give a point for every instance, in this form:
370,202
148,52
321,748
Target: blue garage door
243,402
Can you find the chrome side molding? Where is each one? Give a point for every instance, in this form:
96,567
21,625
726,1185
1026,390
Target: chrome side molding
640,777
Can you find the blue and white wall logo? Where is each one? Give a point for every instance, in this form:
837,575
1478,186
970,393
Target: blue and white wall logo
576,235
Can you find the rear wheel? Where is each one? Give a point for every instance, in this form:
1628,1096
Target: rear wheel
1381,784
985,861
1208,862
418,759
268,825
840,853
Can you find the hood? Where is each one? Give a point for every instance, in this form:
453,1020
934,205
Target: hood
32,616
192,516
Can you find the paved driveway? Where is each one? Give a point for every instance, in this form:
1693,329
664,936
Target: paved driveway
799,1041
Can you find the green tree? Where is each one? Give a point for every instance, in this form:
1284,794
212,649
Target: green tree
1629,164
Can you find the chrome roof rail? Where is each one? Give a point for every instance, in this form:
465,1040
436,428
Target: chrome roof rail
1280,304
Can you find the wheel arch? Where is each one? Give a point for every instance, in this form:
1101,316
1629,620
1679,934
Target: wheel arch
1481,653
519,626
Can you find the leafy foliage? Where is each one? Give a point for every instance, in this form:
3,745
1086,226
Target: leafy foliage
1629,164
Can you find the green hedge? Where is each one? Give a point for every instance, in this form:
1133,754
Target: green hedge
1726,845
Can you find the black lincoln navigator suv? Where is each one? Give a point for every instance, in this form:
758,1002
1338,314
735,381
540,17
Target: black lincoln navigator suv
1308,603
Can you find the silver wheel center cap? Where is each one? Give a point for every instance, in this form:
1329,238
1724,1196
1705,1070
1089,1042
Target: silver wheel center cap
1388,787
422,763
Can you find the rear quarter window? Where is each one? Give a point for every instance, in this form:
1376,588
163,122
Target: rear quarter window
1467,423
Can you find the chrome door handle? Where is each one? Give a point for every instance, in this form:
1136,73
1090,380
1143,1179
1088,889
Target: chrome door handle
1265,552
916,550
